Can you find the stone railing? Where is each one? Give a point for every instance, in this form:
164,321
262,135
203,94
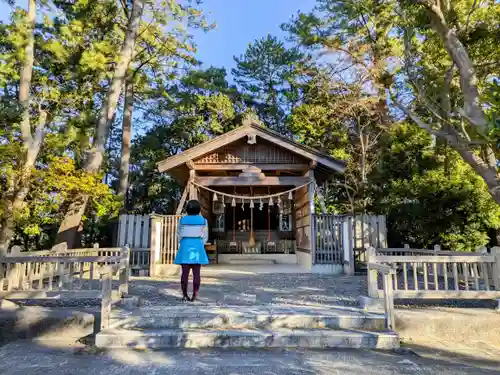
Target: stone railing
139,257
436,274
387,274
68,275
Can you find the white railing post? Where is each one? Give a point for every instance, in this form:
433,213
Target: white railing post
107,277
348,249
389,300
124,271
372,273
495,251
439,267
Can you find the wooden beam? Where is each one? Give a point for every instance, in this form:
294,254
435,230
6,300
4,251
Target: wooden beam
243,166
190,164
193,193
183,198
242,181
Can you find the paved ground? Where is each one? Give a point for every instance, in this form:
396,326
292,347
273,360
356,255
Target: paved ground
24,358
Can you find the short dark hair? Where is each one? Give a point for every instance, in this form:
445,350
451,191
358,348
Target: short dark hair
193,207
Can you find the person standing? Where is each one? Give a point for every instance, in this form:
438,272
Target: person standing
193,235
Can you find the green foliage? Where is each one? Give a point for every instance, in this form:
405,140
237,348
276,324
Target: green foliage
76,48
268,75
430,195
52,185
199,106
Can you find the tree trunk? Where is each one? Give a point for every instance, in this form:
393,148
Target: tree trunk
19,184
128,108
468,81
73,216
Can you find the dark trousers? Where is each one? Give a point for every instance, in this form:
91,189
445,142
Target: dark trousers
185,277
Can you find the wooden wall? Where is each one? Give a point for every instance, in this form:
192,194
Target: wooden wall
302,220
303,212
240,152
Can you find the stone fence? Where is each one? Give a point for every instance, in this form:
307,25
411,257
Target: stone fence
70,275
431,274
438,274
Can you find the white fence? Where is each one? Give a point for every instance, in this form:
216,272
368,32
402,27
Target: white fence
73,274
134,231
436,274
339,240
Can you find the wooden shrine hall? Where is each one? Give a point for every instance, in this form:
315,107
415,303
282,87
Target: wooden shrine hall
256,189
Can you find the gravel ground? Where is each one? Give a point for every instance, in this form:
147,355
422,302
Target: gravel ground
248,290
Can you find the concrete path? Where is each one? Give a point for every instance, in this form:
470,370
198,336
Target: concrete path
27,358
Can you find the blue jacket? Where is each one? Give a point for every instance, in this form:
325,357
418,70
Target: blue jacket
192,233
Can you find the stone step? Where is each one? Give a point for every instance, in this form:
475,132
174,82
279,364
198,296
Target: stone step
251,261
242,317
280,338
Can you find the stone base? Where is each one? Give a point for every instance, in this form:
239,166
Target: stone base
371,304
166,270
129,302
327,269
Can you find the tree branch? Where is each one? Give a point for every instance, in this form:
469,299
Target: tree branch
472,108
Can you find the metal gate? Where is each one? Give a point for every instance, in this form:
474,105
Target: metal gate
341,236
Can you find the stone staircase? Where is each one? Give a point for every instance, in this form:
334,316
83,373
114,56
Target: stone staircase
264,326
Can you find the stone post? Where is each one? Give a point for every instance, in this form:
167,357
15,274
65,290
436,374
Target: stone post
348,248
389,300
155,250
495,251
440,267
372,273
124,271
15,251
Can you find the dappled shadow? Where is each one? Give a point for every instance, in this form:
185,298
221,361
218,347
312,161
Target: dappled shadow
449,354
38,322
35,358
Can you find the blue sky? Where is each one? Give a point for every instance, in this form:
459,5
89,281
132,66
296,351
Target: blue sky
239,22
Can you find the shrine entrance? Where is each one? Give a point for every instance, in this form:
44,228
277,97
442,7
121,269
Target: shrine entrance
257,190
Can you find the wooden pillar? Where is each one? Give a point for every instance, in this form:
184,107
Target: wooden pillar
312,230
193,193
183,198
